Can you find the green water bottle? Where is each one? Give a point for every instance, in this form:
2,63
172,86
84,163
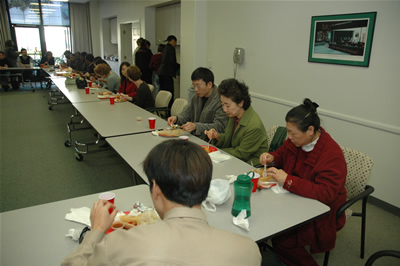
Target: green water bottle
243,187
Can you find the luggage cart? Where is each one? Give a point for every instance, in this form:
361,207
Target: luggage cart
83,148
72,126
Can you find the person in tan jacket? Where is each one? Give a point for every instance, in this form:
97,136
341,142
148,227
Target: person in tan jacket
179,174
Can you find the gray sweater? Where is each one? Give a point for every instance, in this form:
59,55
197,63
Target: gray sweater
212,115
113,82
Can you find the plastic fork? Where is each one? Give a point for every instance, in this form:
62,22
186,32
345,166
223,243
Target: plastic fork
264,174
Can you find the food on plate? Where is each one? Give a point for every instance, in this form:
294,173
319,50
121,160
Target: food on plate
171,133
117,225
207,149
147,217
105,93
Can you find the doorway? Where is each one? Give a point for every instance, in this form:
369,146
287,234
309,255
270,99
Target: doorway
130,33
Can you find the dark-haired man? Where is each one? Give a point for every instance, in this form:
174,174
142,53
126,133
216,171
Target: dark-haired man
179,174
204,110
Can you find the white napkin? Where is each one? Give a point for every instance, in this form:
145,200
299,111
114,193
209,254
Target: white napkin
279,189
74,234
218,157
241,220
79,215
231,178
155,133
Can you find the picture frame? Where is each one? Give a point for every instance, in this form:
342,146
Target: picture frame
342,39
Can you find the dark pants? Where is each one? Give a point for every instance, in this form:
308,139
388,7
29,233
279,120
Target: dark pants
291,251
167,84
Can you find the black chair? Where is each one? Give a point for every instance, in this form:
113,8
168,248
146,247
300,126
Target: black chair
382,253
359,167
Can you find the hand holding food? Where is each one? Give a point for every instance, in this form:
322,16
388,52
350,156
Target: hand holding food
266,158
212,134
189,126
277,174
172,120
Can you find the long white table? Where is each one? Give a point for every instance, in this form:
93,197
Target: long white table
36,235
271,213
117,119
134,149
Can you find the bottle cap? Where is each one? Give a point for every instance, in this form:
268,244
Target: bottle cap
243,179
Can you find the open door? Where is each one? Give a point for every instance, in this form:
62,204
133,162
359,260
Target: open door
130,32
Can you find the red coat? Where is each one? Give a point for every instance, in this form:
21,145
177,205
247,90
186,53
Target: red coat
319,174
128,88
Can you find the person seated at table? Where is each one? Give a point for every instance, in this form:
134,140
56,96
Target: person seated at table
311,164
24,59
65,67
74,60
4,63
108,78
204,110
179,174
81,66
89,60
127,89
48,59
245,136
144,97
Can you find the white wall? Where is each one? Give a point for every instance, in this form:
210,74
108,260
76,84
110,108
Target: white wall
358,105
354,101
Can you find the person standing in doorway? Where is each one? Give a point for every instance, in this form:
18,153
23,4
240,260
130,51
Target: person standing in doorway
168,67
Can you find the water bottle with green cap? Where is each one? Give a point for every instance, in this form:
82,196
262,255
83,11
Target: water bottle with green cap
242,187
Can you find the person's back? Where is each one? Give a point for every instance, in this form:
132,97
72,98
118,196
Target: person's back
167,243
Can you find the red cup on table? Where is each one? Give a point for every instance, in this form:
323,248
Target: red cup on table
87,89
108,196
73,75
111,99
255,181
42,65
89,84
152,122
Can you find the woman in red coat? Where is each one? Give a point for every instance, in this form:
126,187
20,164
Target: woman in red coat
127,89
310,164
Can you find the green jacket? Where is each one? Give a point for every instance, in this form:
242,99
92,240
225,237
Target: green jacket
249,140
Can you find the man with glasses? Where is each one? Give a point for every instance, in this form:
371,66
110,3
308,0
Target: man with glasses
204,110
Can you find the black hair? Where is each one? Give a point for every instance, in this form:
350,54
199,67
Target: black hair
89,57
8,43
160,48
204,74
170,38
99,60
236,91
304,116
182,170
83,54
23,49
123,78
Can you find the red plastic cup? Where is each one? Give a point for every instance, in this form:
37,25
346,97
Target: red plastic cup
112,100
42,65
152,122
73,75
87,89
108,196
255,181
89,84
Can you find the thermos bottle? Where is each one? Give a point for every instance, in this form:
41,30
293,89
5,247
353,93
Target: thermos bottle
242,187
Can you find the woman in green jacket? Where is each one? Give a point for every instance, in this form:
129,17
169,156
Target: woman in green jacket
245,136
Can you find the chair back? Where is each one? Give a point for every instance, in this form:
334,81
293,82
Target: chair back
359,167
151,87
276,136
162,99
178,106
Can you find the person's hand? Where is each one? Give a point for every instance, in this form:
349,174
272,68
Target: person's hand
172,120
278,174
102,80
212,134
266,158
100,218
189,127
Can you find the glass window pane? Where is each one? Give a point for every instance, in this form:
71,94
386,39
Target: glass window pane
29,39
57,40
24,12
55,13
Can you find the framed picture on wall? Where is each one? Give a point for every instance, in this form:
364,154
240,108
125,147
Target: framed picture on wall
342,39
